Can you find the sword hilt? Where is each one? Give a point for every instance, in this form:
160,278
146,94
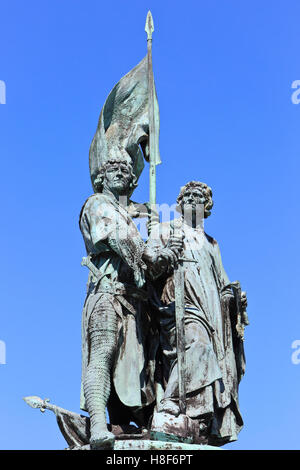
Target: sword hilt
86,261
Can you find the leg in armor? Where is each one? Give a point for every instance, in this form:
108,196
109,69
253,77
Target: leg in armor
97,383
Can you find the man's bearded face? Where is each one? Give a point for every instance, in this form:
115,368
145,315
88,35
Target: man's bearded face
118,178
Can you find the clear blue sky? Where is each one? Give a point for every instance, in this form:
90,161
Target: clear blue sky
223,72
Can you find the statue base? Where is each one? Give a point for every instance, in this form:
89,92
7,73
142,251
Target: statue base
167,432
131,444
166,427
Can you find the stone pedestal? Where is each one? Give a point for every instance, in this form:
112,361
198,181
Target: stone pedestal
130,444
160,445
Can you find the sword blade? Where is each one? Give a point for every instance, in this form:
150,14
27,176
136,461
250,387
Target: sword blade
180,334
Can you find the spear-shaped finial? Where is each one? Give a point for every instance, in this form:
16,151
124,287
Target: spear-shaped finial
37,402
149,26
153,124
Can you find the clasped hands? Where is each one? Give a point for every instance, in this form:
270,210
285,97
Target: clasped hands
172,251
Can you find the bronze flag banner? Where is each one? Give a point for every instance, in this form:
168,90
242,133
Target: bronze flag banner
123,126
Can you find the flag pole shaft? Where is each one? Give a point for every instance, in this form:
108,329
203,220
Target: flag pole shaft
152,190
149,28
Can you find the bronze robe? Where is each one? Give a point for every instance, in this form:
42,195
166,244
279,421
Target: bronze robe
211,369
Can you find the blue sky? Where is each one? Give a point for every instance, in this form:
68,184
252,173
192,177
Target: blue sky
223,72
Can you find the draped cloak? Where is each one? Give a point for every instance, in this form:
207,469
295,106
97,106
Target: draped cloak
211,370
133,370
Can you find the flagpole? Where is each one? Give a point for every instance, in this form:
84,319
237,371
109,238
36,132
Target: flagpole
149,28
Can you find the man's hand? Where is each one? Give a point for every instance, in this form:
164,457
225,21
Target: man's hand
175,244
171,252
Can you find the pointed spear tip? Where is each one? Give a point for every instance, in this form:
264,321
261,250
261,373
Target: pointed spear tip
33,401
149,26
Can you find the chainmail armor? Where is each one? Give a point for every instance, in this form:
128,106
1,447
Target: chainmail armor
102,336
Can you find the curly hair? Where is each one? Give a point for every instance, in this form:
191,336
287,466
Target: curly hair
206,191
98,182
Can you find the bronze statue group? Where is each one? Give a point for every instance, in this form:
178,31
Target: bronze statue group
130,331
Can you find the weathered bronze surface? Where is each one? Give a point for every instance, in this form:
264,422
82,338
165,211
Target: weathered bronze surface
213,325
162,325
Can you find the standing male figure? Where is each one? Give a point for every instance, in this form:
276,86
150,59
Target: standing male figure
119,341
213,362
